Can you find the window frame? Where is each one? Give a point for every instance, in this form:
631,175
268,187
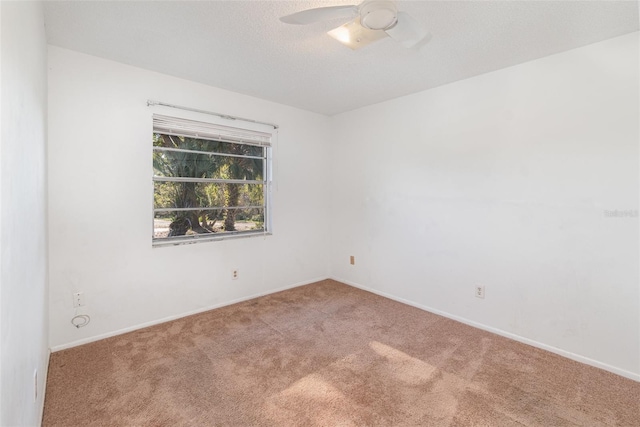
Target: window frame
208,131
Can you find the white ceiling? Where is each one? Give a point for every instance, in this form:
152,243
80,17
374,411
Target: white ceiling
243,47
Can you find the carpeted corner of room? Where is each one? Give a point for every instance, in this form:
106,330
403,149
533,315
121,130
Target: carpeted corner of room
327,354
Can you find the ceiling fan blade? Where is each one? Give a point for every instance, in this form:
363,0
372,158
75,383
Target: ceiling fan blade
319,14
408,31
354,35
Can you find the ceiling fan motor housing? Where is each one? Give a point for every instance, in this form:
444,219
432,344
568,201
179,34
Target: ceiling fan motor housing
378,14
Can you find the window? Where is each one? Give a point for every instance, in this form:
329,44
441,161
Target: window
210,181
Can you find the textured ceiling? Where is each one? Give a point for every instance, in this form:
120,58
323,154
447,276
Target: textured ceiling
243,47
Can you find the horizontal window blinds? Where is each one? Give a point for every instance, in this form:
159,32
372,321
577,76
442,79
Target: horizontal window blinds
195,129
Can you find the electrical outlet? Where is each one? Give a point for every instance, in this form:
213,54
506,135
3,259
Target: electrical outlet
78,299
235,273
35,385
479,291
352,260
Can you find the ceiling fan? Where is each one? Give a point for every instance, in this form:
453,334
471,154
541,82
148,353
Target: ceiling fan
370,21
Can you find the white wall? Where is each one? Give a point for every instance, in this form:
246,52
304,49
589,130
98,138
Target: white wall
503,180
101,199
23,278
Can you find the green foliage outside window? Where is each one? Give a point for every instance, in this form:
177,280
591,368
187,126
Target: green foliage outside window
204,186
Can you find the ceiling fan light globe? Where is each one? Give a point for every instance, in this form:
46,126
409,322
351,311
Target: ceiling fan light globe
378,15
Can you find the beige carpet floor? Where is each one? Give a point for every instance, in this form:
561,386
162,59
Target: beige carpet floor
327,354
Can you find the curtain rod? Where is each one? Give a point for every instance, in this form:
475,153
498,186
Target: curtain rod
151,103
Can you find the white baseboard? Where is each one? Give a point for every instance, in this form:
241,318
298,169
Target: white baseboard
44,389
177,316
564,353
